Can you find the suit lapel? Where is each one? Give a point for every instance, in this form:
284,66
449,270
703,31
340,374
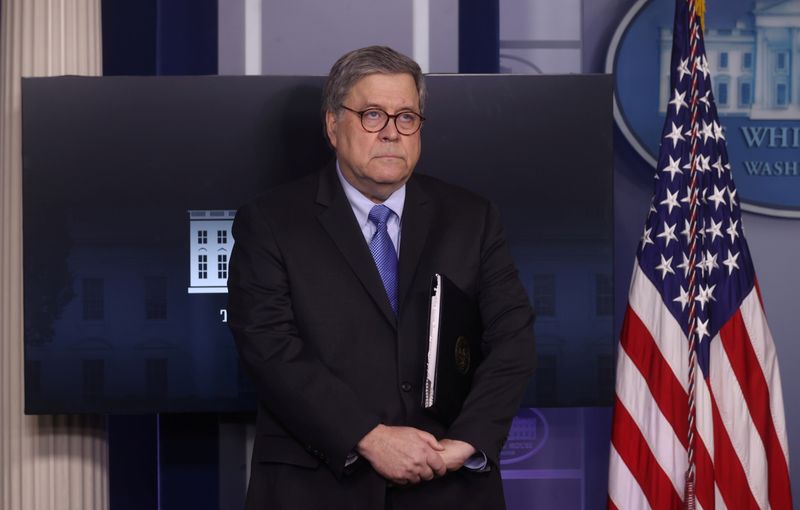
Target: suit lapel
338,220
417,217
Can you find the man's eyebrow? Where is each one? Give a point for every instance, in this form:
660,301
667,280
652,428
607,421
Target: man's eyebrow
379,106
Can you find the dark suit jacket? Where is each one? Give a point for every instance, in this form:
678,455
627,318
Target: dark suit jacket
329,359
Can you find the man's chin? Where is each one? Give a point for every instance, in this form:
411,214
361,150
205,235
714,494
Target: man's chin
389,173
395,162
383,185
393,181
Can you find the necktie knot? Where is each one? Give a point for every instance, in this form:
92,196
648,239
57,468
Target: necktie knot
379,214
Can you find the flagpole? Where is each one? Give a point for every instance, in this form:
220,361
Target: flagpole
694,31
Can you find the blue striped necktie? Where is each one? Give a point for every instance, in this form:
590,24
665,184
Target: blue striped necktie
384,253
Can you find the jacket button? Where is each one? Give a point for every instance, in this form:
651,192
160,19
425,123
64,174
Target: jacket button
406,386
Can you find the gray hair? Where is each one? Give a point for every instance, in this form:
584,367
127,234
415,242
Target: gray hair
357,64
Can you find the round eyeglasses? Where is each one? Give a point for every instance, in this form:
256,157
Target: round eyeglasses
375,119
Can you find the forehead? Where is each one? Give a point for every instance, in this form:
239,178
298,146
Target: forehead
390,91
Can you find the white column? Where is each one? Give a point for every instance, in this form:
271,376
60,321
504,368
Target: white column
46,462
421,34
252,37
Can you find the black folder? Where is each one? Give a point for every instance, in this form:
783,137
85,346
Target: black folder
454,337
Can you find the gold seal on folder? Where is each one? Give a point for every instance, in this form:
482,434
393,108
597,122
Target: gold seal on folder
462,354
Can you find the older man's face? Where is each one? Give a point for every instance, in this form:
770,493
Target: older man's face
379,163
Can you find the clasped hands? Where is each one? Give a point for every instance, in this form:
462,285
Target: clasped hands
406,455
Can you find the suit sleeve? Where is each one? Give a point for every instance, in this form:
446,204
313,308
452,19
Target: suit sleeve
508,343
321,411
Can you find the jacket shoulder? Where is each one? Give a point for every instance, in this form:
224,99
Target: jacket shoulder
450,194
285,204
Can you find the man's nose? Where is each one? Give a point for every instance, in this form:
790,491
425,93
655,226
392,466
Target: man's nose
389,131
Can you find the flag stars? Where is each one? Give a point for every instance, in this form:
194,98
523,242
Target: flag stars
702,65
701,298
706,100
678,101
719,167
717,197
701,264
665,266
683,69
683,299
732,196
669,233
730,262
673,168
707,131
646,237
705,295
701,329
702,223
718,132
675,135
731,230
687,231
684,265
671,201
702,163
701,230
715,230
710,262
688,198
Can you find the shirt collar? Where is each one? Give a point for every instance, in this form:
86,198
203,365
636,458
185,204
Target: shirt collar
362,205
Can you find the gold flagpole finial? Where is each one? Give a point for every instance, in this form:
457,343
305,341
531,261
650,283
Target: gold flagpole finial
700,8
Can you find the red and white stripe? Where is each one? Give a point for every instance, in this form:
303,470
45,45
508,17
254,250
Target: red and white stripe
742,453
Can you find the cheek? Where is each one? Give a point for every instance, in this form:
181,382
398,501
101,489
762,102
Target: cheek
414,149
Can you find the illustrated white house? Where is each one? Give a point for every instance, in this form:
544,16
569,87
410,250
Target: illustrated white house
752,65
210,245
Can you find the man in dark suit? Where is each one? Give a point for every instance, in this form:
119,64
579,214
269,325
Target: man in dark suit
332,324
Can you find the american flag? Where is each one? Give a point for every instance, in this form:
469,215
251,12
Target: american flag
703,430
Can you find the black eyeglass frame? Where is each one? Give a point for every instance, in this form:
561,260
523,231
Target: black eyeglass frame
388,118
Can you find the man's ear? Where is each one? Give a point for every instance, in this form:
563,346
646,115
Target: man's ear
330,127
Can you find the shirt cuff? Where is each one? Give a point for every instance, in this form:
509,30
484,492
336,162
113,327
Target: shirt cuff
477,462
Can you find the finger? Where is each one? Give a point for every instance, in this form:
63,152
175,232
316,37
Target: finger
431,440
426,474
436,463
